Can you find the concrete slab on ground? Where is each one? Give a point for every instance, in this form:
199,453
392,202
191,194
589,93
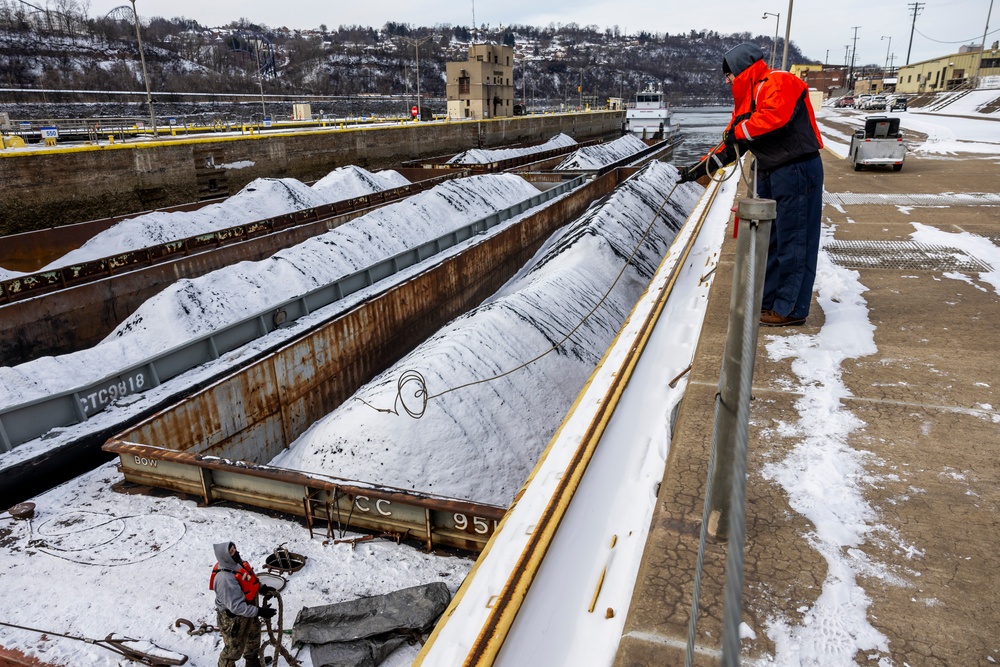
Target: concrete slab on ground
927,429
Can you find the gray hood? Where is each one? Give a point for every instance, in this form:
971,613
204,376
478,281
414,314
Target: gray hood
222,555
739,58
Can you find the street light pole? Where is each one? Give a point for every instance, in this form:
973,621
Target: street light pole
854,55
145,77
774,44
889,46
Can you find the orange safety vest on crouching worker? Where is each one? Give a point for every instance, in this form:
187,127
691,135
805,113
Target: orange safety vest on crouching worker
248,581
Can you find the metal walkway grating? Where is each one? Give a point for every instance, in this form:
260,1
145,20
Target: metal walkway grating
944,199
901,255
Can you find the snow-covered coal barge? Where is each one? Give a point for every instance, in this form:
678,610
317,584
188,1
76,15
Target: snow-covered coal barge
372,333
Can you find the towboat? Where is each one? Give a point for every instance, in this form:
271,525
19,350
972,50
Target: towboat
649,117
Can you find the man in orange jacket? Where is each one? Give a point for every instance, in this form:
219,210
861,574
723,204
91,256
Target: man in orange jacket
773,118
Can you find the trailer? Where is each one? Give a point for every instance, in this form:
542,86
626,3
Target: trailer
880,143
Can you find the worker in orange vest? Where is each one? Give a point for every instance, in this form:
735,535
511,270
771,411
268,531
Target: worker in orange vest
236,587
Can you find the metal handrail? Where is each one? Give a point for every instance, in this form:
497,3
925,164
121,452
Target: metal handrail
26,421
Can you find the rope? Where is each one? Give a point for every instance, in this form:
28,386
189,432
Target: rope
43,546
274,638
740,471
703,535
422,394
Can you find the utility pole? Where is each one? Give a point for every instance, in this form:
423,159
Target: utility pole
854,56
145,77
416,48
788,30
915,8
885,71
260,77
982,51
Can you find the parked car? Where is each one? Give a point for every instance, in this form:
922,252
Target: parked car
878,103
861,101
844,102
898,104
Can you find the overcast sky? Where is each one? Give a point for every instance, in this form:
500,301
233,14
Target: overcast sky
817,27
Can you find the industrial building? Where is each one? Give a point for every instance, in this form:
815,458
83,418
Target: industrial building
483,86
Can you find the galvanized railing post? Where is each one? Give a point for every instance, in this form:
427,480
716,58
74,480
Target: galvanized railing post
754,219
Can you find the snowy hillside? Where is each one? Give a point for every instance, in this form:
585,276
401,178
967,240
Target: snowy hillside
480,442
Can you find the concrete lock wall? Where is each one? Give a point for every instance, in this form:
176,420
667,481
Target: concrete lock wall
51,188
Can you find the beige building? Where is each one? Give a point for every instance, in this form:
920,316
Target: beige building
949,72
483,86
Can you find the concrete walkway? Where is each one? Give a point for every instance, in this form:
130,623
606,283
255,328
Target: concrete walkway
923,579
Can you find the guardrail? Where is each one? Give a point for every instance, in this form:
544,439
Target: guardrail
24,287
337,503
26,421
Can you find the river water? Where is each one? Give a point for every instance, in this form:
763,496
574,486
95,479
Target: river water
702,129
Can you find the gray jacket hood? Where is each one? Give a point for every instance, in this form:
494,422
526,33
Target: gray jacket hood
739,58
222,555
228,594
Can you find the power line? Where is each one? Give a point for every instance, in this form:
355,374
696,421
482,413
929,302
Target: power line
961,41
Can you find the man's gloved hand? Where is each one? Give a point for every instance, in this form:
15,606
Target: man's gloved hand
729,137
267,591
691,173
265,612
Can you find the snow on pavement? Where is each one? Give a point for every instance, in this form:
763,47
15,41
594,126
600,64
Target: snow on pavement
826,479
946,136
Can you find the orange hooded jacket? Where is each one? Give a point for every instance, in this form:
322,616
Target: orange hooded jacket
772,117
